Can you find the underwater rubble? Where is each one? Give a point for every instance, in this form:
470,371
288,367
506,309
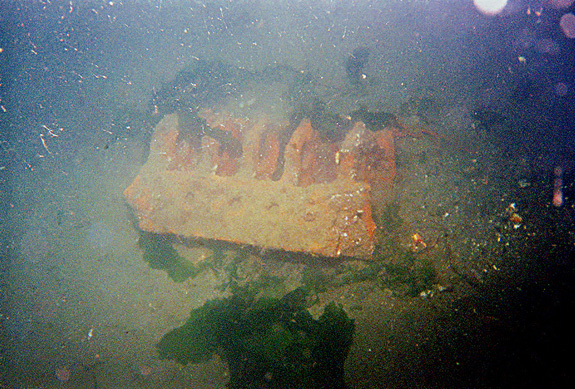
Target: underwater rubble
217,178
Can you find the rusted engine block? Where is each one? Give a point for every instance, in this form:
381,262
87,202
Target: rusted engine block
321,204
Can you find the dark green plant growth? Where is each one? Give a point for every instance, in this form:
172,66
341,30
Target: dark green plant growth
404,271
161,255
269,284
423,277
219,264
315,280
235,271
374,120
388,218
415,274
369,272
267,342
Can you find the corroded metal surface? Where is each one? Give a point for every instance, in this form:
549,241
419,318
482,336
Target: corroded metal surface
198,188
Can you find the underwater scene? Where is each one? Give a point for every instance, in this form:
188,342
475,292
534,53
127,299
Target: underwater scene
287,193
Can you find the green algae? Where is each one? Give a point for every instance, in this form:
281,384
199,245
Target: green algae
267,342
161,255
